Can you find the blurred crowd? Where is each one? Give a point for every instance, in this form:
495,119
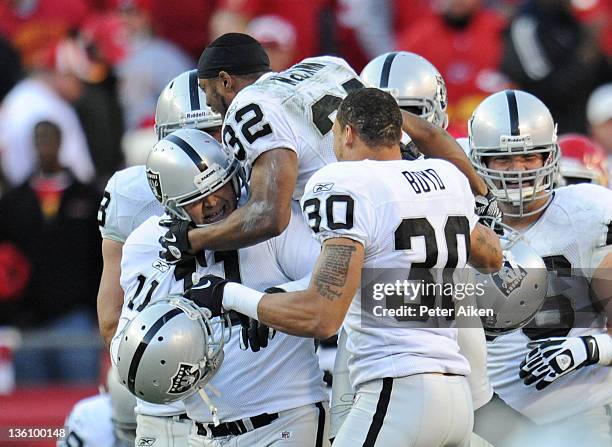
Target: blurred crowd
80,80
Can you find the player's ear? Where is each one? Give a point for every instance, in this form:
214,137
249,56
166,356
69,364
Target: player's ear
226,80
349,135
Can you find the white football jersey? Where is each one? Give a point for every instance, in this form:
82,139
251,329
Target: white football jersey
284,375
404,213
127,202
293,109
573,236
89,424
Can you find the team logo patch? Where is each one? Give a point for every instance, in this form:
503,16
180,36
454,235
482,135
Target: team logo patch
564,361
285,435
509,278
322,187
146,442
161,266
155,184
185,377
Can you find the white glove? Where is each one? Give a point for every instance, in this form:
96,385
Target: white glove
555,357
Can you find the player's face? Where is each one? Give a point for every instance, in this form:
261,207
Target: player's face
214,207
214,95
518,163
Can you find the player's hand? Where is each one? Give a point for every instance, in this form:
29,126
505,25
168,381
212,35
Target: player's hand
487,209
555,357
208,292
254,334
175,243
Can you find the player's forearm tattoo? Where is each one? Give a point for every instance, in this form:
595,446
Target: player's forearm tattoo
482,240
332,273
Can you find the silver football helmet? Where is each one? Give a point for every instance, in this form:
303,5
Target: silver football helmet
415,83
513,122
122,404
182,104
188,165
517,291
170,350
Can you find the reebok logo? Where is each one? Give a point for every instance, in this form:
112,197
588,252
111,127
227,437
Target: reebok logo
322,187
161,266
146,442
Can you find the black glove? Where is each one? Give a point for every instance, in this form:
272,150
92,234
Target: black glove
175,242
489,213
254,334
409,151
208,292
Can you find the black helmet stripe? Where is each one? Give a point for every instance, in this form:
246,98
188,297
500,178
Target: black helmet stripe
386,70
143,345
191,153
513,111
194,92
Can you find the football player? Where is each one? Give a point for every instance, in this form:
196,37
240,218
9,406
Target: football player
105,420
127,203
374,210
419,88
273,396
563,356
279,125
128,200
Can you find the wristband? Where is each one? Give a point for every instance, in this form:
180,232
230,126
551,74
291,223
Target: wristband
604,344
241,299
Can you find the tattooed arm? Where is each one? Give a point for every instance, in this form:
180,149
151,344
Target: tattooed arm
319,310
485,250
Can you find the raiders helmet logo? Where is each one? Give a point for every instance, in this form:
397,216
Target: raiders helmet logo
509,278
185,377
155,184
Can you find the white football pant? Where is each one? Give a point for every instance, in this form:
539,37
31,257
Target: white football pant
422,410
162,431
300,427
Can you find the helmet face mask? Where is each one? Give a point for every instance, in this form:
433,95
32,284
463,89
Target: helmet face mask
183,350
509,124
520,188
202,122
413,81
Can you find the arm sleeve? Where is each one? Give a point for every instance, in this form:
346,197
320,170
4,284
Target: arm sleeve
253,126
334,205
